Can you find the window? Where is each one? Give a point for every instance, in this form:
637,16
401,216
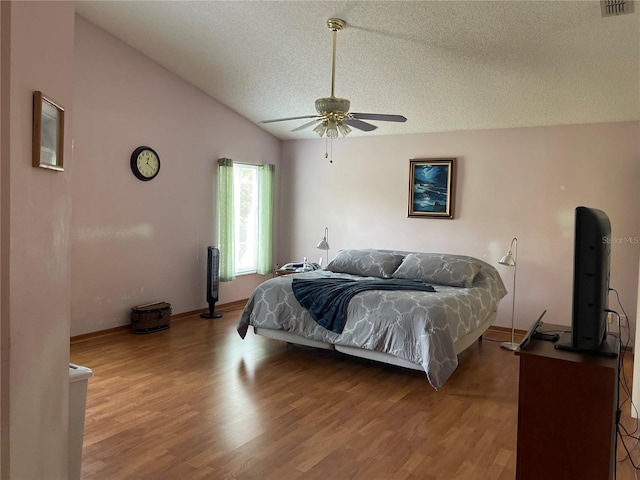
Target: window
245,218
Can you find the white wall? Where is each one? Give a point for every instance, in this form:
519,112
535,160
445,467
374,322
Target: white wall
136,242
523,182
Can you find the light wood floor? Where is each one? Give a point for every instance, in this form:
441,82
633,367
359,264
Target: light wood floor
197,402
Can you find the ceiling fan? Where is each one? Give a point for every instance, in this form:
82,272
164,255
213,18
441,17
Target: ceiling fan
333,117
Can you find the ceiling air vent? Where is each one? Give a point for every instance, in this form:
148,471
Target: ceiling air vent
611,8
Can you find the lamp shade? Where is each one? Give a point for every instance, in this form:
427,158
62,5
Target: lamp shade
332,129
324,243
321,128
344,129
508,260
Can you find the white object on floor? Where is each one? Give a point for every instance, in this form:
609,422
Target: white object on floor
78,380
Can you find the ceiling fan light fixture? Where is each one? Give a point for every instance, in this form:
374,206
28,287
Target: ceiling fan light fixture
321,128
332,105
332,129
344,129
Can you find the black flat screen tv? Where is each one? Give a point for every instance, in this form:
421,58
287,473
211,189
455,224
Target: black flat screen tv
591,269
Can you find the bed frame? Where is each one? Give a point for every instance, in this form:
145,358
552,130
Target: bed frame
462,344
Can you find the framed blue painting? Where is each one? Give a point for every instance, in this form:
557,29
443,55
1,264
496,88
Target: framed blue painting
432,184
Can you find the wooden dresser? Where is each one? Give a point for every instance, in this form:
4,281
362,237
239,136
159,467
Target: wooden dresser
567,407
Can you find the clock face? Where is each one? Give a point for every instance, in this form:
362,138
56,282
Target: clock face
145,163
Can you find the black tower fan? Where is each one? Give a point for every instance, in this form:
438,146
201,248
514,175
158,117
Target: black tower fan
213,281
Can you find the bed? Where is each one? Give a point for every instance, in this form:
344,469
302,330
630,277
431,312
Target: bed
421,330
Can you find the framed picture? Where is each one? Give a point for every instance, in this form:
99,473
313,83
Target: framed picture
48,133
432,184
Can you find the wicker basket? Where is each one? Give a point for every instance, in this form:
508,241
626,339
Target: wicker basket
151,317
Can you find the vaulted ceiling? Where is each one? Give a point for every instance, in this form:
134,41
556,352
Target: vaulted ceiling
445,65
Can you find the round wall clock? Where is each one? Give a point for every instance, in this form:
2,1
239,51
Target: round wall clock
145,163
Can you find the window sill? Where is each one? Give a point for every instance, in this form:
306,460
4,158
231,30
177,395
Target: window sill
250,272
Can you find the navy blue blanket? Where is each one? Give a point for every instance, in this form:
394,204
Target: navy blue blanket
327,299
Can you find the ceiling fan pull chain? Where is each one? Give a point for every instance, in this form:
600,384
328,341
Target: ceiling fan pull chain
328,149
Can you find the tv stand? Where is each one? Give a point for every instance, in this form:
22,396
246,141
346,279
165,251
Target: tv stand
567,406
608,348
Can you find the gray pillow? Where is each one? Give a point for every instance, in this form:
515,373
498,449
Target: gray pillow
367,263
439,268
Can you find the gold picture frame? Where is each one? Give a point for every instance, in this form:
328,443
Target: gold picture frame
48,133
432,183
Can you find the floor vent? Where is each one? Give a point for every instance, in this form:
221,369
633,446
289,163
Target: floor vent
612,8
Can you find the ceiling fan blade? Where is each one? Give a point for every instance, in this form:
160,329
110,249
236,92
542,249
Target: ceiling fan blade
308,124
290,118
360,125
379,116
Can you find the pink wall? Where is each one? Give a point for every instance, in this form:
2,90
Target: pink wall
523,182
135,242
37,54
129,242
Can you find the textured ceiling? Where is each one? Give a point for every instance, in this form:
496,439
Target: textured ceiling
444,65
